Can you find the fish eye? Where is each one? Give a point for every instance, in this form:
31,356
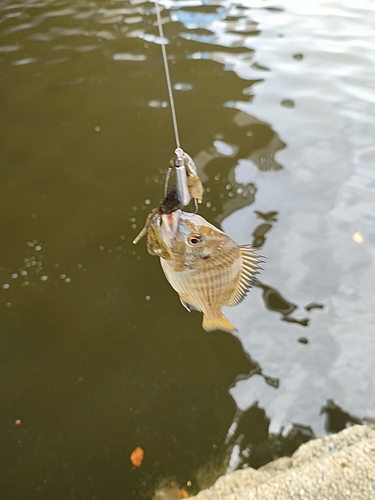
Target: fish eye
195,239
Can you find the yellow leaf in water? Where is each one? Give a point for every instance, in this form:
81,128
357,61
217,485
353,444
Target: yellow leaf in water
136,457
181,493
357,237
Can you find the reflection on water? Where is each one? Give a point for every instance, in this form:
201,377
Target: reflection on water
274,301
337,419
251,443
275,104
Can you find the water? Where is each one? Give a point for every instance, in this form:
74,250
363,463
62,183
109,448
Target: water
276,104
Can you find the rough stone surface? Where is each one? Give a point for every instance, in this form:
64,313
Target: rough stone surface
337,467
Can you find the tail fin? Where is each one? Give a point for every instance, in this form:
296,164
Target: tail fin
218,323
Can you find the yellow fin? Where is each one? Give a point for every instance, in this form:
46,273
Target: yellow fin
219,323
250,268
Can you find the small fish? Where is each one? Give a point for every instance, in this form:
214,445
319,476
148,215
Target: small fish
205,266
171,201
166,206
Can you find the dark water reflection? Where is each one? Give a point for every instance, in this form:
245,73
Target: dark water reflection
276,106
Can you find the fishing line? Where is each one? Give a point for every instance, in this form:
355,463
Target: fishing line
167,75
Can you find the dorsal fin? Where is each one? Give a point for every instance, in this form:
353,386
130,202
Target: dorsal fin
250,267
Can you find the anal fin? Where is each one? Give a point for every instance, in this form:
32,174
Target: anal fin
186,303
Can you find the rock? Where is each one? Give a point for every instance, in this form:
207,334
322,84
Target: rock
336,467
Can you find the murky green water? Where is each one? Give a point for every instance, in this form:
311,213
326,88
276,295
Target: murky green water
276,104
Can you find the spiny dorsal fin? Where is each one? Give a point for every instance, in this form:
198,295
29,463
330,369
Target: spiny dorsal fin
250,267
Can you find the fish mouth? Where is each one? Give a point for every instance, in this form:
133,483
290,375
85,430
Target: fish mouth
171,223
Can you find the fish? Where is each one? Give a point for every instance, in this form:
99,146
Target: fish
206,267
169,204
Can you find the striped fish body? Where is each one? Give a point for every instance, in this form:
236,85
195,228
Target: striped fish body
206,267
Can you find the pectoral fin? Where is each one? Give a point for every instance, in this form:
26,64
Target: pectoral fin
250,267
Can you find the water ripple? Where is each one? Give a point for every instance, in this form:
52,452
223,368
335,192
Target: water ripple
129,57
9,48
22,62
277,106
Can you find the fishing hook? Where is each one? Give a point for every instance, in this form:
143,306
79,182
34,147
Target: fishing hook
182,187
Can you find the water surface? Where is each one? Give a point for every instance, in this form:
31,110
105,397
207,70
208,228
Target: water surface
276,104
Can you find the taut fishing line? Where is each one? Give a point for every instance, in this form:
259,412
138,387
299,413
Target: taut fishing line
181,179
167,74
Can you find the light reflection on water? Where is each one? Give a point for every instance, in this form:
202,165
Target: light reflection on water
98,356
